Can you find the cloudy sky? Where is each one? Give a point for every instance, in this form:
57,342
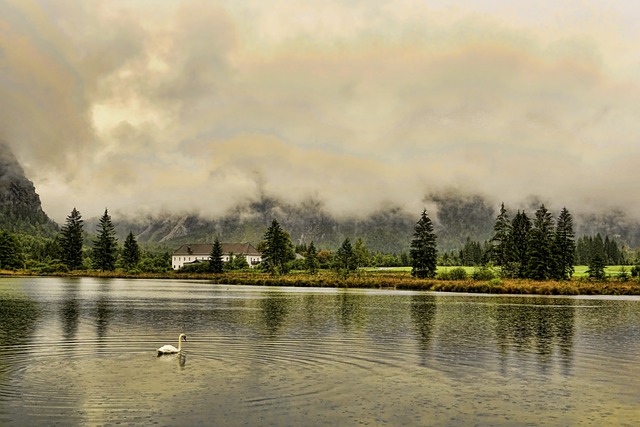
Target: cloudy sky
155,105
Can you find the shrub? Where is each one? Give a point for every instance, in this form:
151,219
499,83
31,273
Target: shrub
495,281
443,275
624,275
483,273
200,267
510,270
48,268
458,273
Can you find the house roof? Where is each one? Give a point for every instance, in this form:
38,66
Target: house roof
202,249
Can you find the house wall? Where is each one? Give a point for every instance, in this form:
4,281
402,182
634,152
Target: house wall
177,262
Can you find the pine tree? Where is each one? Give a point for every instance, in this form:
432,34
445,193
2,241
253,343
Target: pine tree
278,249
500,239
11,256
611,251
518,240
361,253
596,267
345,259
215,258
423,249
564,247
71,240
105,246
539,259
311,261
597,249
583,250
130,252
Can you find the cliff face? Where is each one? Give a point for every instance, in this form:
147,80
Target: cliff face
20,207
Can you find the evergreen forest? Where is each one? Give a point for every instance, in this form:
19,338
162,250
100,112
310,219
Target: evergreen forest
539,246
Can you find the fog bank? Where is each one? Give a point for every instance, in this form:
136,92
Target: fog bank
199,106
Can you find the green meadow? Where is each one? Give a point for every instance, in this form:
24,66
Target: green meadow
580,270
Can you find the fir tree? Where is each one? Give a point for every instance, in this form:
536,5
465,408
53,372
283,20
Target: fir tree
539,259
311,261
130,252
596,267
10,251
500,239
345,259
215,258
278,249
564,247
423,249
361,253
583,250
71,240
611,251
518,240
105,245
597,249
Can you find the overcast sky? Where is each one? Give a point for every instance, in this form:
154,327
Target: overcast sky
152,105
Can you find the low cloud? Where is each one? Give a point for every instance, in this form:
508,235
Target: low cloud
195,105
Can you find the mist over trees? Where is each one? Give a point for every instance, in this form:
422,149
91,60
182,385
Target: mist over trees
470,232
457,220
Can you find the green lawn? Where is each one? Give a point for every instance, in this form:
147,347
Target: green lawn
580,270
612,270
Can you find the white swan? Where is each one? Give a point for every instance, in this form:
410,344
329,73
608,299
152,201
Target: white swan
169,349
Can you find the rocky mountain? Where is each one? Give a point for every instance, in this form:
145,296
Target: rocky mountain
386,230
456,217
20,207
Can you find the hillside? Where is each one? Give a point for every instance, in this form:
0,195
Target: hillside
388,230
20,207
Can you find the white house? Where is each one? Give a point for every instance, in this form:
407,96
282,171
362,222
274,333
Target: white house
199,252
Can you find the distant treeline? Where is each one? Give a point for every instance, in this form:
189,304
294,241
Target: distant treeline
475,253
540,248
523,247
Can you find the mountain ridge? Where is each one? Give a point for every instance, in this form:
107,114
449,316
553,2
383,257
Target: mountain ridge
20,205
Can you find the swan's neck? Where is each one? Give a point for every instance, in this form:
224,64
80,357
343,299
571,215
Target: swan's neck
179,344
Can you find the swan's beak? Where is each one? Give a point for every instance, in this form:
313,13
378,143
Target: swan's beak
184,338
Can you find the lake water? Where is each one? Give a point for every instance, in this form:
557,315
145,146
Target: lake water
83,352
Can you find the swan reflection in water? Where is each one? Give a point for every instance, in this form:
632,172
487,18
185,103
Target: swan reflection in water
181,358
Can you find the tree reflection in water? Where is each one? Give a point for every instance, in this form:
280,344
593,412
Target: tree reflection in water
423,313
536,325
103,310
275,309
350,309
70,310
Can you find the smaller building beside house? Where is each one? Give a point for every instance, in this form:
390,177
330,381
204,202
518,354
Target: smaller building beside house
200,252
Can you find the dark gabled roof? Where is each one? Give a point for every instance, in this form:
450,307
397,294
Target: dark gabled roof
239,248
203,249
194,249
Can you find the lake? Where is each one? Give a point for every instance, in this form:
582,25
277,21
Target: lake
83,352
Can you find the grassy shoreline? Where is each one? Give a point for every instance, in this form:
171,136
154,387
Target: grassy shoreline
382,279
